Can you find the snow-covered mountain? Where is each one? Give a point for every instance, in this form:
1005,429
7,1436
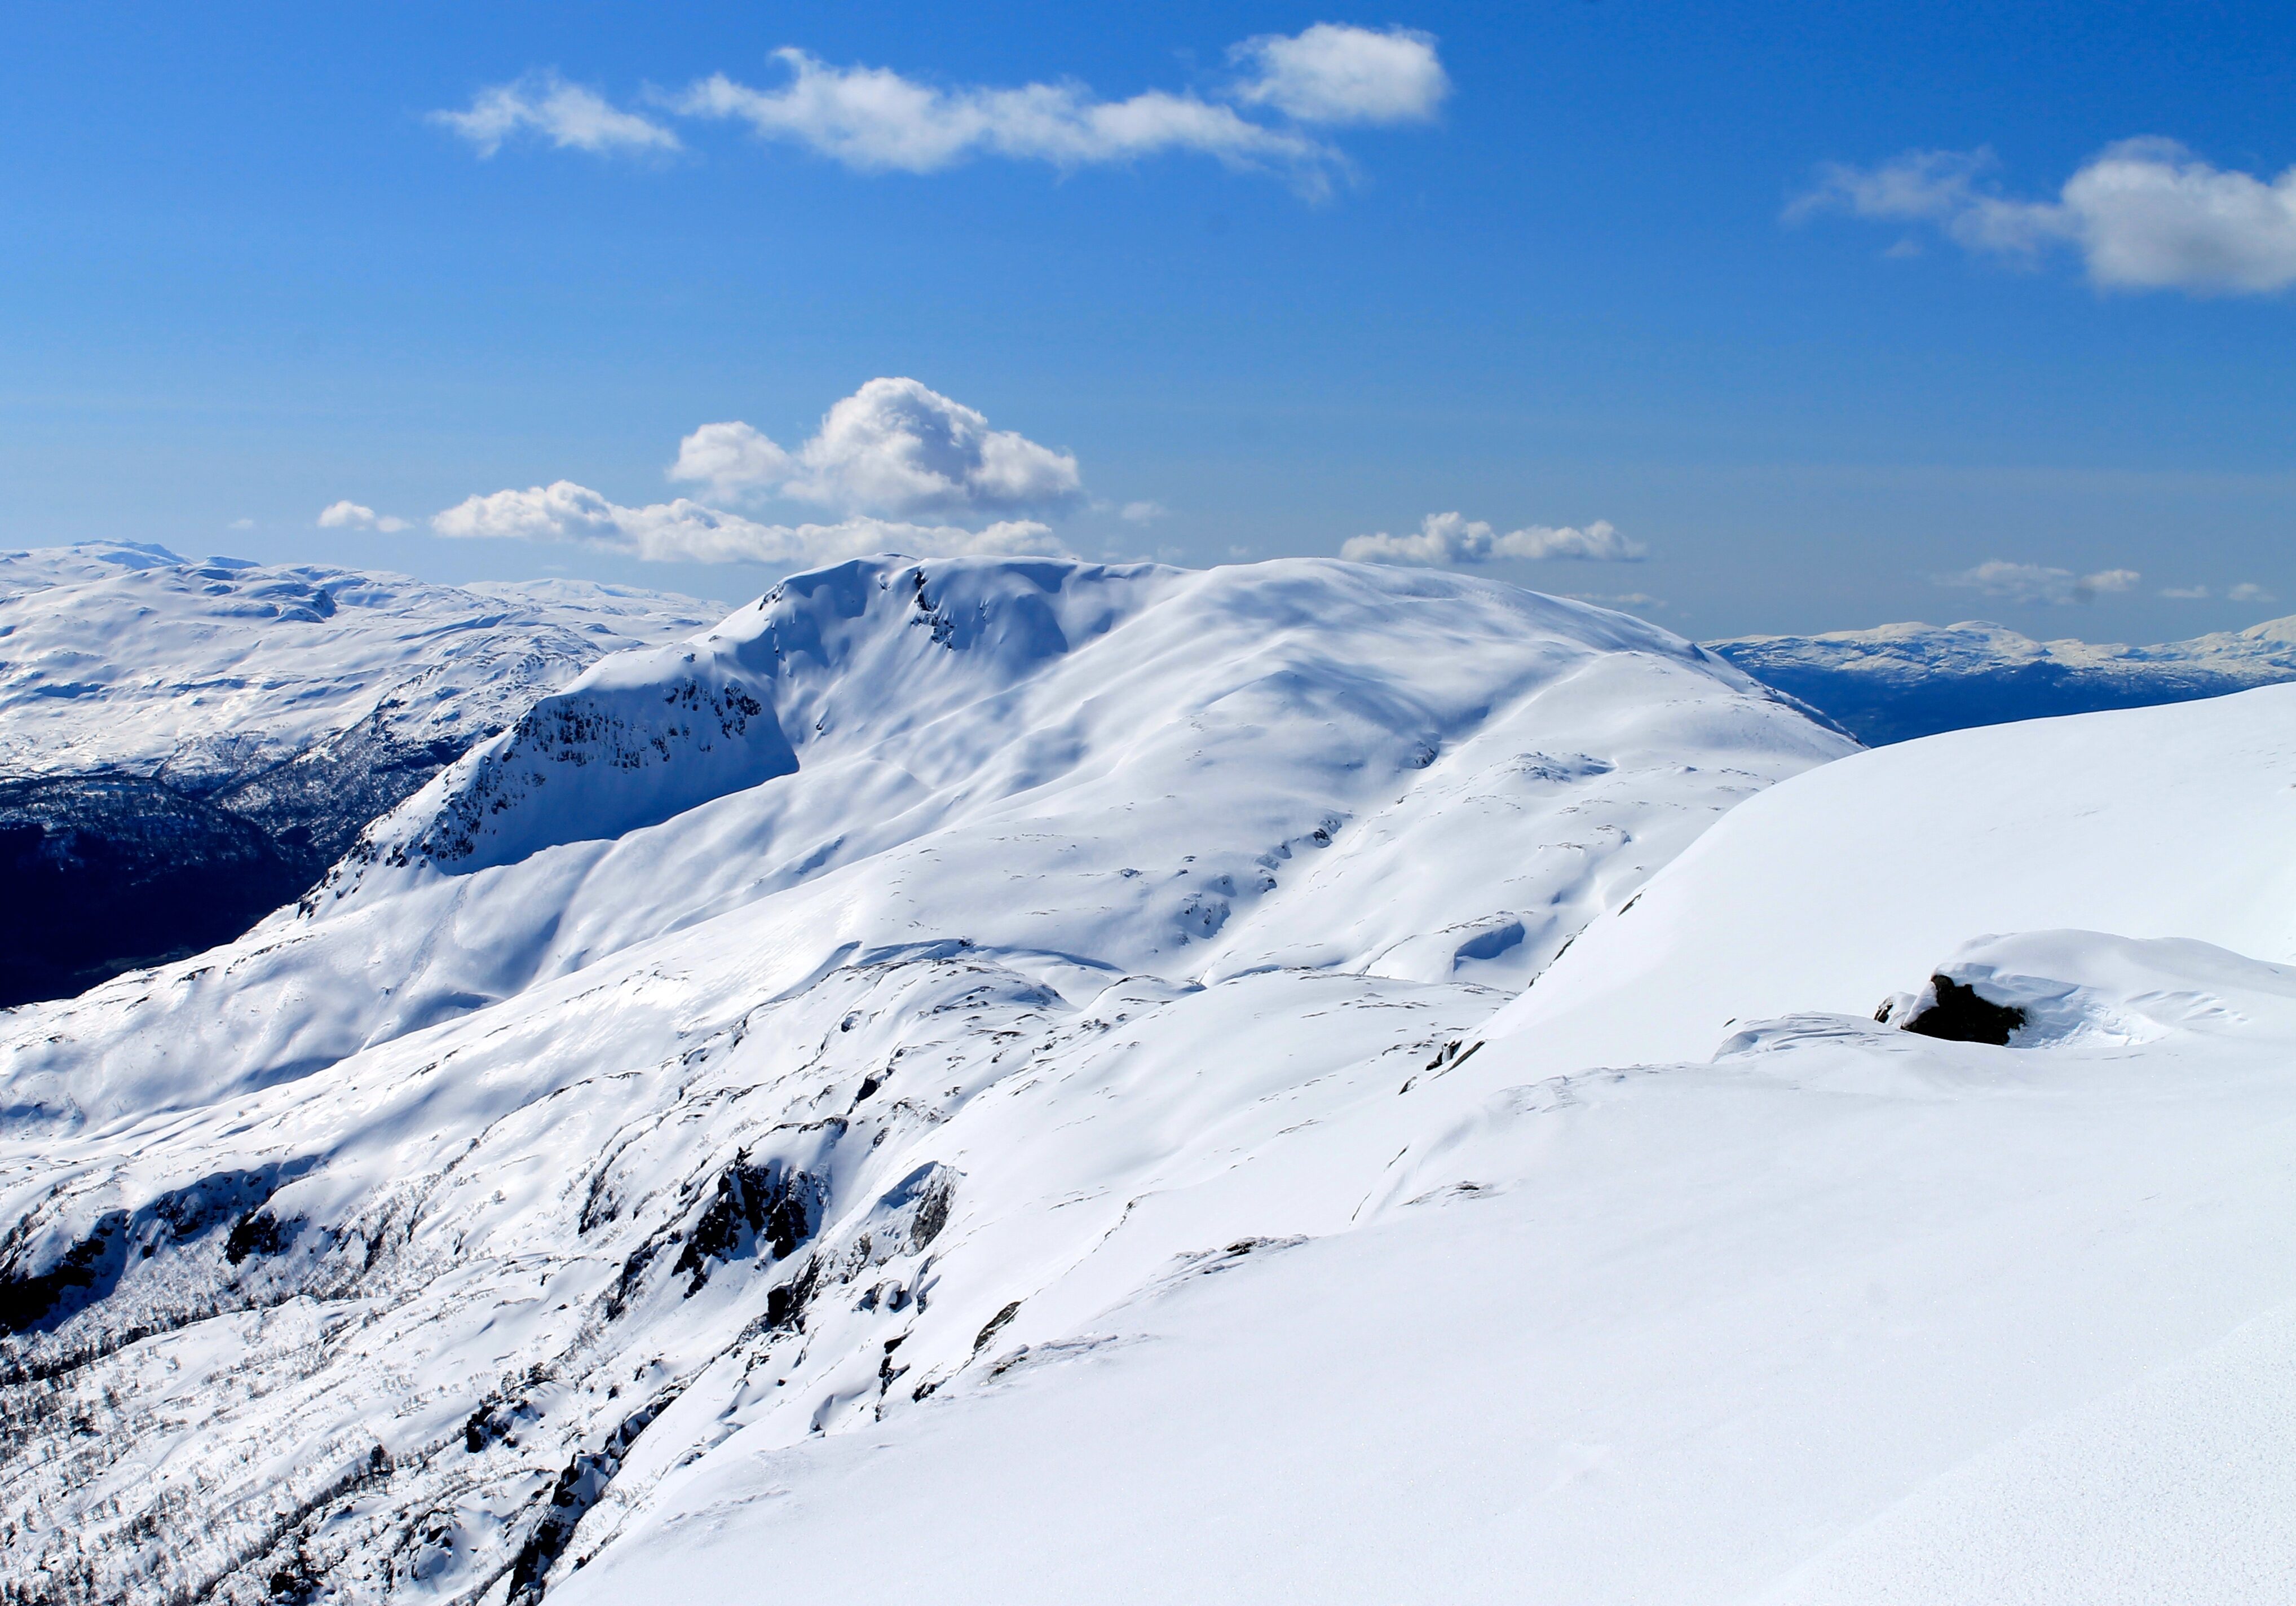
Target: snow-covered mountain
1686,1278
789,1031
1032,1082
1902,681
184,746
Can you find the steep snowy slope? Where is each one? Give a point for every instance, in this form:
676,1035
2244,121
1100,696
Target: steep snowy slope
766,1034
185,746
1842,1313
1902,681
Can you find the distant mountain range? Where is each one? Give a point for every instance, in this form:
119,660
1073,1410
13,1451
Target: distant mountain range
186,745
1897,681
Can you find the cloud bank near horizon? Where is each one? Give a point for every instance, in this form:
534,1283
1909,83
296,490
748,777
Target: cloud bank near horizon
1453,539
892,453
2038,583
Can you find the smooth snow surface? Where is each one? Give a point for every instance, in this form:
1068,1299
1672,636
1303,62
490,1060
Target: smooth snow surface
1835,893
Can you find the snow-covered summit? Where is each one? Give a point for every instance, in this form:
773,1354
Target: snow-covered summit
1194,774
1897,682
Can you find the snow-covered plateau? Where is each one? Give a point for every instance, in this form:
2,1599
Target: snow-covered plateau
1019,1081
184,746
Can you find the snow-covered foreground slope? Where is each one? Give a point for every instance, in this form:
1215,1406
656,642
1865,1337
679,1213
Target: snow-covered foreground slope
1833,893
184,746
768,1036
1902,681
1630,1305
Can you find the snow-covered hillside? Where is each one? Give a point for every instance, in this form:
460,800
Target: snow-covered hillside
183,746
809,1027
1628,1300
1902,681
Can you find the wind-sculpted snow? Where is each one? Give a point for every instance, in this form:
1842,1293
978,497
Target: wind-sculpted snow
981,945
2152,822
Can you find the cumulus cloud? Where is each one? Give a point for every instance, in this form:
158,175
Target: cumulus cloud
2248,591
546,106
683,531
2034,583
1143,513
1334,73
732,460
892,450
2144,214
894,447
242,524
350,515
875,119
1451,539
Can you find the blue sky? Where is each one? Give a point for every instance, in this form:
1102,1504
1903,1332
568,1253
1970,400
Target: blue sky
1667,285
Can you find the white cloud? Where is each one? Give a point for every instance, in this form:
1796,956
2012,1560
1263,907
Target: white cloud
2145,214
1143,513
875,119
2248,591
240,524
872,119
567,115
1450,538
683,531
732,459
2186,593
350,515
2034,583
893,447
1334,73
